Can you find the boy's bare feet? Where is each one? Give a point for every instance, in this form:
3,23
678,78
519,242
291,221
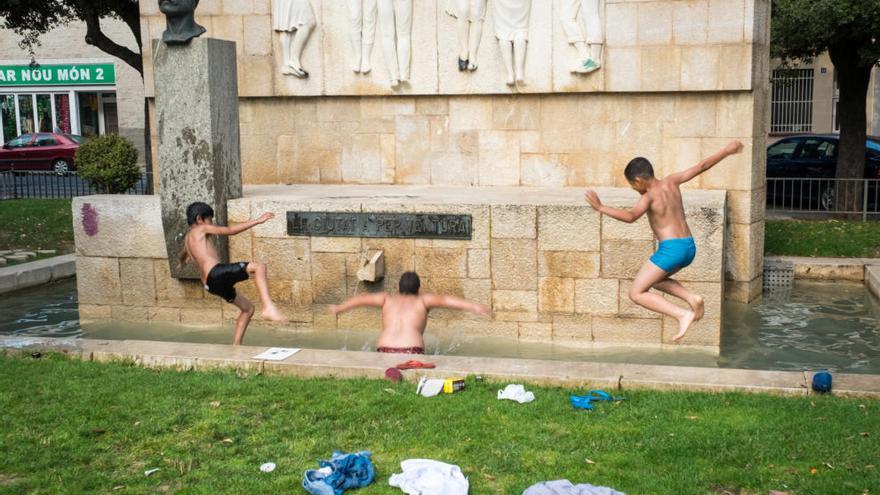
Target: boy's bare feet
271,313
684,324
698,305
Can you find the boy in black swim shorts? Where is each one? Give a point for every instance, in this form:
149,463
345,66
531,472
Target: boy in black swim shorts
220,278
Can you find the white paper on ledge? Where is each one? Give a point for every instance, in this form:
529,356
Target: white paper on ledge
277,353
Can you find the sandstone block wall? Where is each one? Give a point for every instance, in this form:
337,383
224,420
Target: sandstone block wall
680,79
545,263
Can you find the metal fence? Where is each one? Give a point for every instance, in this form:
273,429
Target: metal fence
19,184
817,197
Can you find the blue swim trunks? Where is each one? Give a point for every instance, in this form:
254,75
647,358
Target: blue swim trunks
674,254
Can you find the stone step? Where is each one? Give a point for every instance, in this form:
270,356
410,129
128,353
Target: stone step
29,254
17,257
47,251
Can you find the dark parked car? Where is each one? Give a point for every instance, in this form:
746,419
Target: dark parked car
41,151
813,157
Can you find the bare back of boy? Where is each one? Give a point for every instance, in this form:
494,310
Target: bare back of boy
666,211
405,316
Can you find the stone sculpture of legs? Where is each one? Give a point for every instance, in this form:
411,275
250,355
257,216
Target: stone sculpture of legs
469,15
292,45
395,21
589,47
362,16
512,31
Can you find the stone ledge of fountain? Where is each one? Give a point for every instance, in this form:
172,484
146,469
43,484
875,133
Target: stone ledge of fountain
34,273
351,364
853,269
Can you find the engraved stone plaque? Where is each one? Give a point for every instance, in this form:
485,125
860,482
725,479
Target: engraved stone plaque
399,225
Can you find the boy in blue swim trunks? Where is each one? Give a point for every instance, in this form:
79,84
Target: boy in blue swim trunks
661,200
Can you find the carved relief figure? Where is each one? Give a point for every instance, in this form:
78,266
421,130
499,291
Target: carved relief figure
395,21
583,29
294,20
180,23
362,19
512,31
469,15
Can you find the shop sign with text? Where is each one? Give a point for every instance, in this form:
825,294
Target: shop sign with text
57,75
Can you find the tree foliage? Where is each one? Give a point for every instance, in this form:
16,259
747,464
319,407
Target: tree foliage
803,29
31,19
849,30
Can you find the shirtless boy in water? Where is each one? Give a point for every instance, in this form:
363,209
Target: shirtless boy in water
405,315
661,200
219,278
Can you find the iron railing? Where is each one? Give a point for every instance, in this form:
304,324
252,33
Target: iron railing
816,197
20,184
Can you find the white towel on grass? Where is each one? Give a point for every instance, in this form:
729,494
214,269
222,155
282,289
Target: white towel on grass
427,477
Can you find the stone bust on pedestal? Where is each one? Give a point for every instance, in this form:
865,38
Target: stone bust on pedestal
180,21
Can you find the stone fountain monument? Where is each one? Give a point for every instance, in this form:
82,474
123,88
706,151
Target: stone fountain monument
355,159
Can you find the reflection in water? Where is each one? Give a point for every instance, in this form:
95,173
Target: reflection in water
814,325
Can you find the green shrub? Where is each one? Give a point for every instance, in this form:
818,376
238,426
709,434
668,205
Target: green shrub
109,163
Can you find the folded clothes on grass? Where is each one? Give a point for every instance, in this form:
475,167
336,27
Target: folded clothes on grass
428,477
340,473
516,392
565,487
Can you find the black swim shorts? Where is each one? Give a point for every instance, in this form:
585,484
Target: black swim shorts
223,277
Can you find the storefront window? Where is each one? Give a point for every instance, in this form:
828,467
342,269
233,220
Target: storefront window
26,113
44,113
7,114
111,118
62,113
88,114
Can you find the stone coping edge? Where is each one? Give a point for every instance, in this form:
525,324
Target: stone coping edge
34,273
872,279
829,268
353,364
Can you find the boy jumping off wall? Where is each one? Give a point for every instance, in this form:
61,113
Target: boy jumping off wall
661,200
219,278
405,315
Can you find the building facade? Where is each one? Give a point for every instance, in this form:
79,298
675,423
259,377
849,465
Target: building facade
804,100
70,86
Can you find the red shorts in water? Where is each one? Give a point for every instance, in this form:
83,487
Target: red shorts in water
401,350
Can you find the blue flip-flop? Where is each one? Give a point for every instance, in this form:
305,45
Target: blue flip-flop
584,401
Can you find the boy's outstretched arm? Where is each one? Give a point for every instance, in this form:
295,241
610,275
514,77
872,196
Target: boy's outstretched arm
628,216
440,301
360,301
237,228
732,148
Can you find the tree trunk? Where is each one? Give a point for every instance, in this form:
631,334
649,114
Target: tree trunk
853,78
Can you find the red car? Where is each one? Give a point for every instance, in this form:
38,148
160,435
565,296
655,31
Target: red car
41,151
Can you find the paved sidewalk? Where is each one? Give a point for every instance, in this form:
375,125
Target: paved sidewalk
346,364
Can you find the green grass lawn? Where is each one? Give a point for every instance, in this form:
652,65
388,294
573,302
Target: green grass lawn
36,224
83,427
833,238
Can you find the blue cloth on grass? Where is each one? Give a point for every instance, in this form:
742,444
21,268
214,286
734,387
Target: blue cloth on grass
340,473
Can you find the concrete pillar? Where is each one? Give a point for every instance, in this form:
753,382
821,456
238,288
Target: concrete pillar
199,150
